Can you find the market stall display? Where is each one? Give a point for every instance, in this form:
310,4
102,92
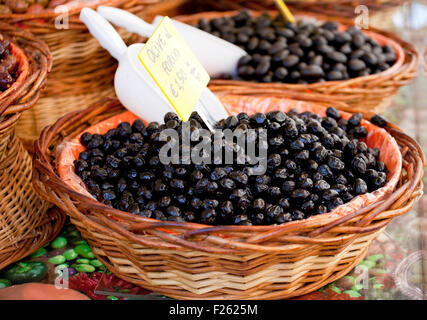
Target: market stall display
82,72
26,224
88,203
363,92
151,253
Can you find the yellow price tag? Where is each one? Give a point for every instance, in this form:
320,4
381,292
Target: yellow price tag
174,68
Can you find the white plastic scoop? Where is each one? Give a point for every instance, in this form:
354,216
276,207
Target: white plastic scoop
216,55
134,86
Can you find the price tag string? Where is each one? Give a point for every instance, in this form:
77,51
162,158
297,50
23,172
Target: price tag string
284,10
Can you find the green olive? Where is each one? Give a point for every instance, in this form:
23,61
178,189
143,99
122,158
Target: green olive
70,254
38,253
82,261
74,233
5,283
85,268
59,243
352,293
375,257
367,263
78,241
85,251
59,259
96,263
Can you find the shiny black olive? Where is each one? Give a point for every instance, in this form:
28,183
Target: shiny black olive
360,186
378,121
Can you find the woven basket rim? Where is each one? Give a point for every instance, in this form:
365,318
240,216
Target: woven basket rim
39,59
74,10
23,69
349,5
376,33
47,177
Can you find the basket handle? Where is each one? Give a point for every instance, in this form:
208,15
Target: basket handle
104,32
127,20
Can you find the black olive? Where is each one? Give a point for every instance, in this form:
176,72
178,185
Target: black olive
336,56
359,165
227,184
280,73
312,71
379,121
290,61
360,186
298,215
321,185
355,119
306,177
356,65
274,160
335,163
164,201
300,194
240,219
333,113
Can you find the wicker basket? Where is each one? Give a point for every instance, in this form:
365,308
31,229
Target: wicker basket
342,6
369,93
83,71
194,261
380,11
25,222
380,14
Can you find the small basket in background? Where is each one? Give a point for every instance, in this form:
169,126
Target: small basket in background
26,222
372,93
82,70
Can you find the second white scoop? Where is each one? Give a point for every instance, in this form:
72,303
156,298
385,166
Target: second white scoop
216,55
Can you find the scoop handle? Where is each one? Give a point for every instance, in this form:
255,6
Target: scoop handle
104,32
127,20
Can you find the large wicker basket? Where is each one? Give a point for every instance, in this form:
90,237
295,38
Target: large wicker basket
82,70
369,93
194,261
25,222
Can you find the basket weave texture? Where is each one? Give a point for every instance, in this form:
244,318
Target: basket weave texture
372,93
25,222
344,5
194,261
424,60
82,70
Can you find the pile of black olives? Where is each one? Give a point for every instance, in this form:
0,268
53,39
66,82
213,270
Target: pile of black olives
301,52
314,164
8,65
